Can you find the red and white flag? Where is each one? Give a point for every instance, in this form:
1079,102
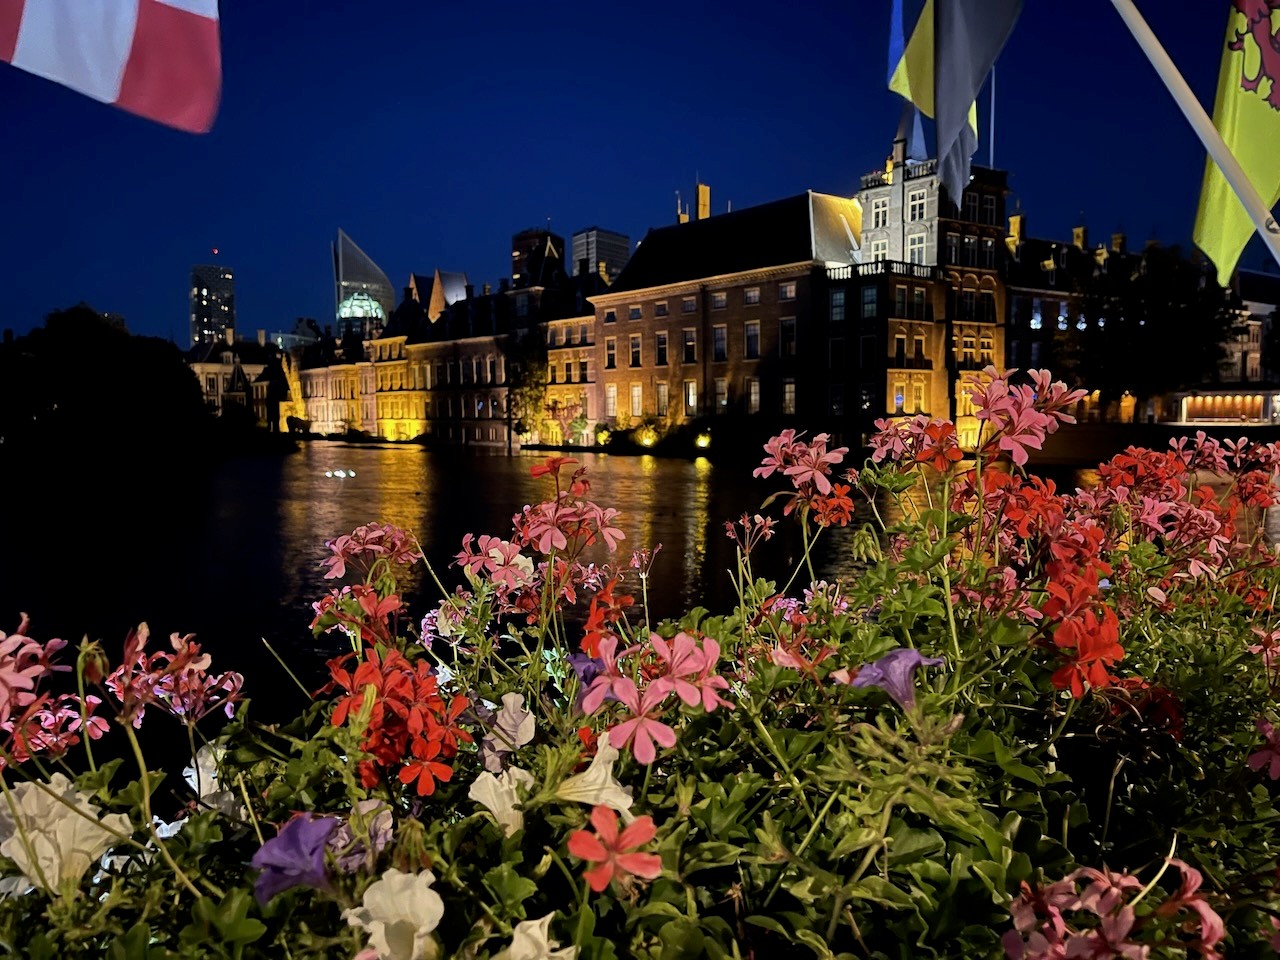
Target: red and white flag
159,59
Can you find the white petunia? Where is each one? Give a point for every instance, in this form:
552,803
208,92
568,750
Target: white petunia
596,785
529,942
399,913
498,795
202,776
52,844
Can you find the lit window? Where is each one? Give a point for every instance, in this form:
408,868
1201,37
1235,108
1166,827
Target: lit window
663,399
691,398
610,399
722,394
753,395
915,204
610,353
837,306
789,396
787,290
719,300
915,248
637,399
751,295
880,212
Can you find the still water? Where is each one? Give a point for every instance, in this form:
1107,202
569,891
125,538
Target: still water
233,554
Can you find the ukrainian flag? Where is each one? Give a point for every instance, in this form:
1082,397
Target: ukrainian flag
940,52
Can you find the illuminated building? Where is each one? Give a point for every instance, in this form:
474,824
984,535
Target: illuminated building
213,304
363,294
599,250
718,316
927,305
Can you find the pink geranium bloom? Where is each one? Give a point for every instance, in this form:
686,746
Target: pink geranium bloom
681,659
1109,940
643,729
1268,756
1212,929
615,853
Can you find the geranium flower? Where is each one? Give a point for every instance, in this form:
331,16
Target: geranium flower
531,941
615,852
596,786
1212,929
643,729
399,913
294,857
53,843
1269,755
894,673
500,795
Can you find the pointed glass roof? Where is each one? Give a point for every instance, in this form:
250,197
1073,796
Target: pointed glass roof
362,290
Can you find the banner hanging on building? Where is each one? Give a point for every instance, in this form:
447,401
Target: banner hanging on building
159,59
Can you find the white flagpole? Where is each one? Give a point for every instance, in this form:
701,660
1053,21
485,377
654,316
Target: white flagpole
1203,126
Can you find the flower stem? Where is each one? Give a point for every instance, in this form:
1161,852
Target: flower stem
280,660
146,811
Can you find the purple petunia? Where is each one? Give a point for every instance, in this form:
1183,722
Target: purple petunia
294,857
894,673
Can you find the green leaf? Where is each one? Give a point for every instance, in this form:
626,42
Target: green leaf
510,889
681,939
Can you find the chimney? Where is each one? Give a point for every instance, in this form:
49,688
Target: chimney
262,338
1080,238
1117,243
704,201
487,289
230,334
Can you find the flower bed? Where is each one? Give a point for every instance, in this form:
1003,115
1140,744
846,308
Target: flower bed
1039,724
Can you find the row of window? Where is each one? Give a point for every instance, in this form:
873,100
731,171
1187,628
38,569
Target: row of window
583,336
917,203
689,344
912,303
689,397
719,301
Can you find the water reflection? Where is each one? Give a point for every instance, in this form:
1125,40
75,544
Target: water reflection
234,554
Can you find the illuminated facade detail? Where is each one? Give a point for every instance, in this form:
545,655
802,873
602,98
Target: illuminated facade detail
363,295
213,304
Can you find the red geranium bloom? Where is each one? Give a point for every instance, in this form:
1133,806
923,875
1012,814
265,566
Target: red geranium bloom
615,852
425,768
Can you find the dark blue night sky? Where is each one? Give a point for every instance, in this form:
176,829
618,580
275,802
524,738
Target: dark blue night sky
431,132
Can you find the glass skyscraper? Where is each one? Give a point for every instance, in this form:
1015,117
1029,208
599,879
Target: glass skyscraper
363,294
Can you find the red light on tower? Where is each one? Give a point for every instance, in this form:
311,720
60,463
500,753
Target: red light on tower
215,251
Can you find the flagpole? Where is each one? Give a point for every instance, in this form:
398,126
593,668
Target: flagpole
1200,121
991,140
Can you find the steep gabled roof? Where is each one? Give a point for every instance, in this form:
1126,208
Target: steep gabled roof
809,227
